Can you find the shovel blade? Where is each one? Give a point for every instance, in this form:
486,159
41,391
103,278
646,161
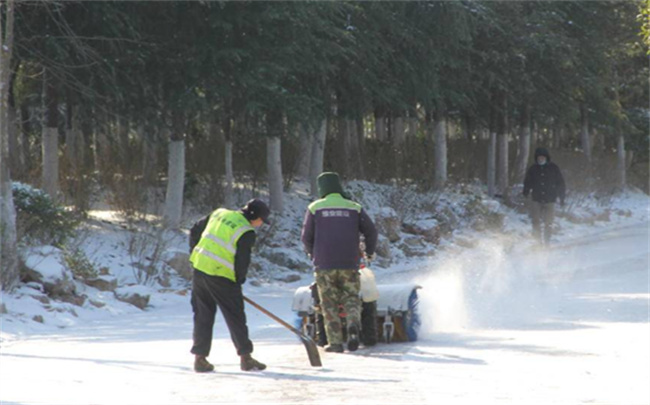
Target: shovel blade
312,351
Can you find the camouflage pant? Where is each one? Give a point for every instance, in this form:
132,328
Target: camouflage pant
338,287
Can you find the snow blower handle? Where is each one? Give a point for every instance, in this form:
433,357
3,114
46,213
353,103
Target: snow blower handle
310,345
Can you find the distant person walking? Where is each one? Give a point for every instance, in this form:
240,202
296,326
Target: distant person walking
545,180
330,235
221,245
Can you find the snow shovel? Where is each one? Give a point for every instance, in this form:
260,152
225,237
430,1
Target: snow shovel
310,345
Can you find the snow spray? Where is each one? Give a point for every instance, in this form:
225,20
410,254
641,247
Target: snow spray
487,286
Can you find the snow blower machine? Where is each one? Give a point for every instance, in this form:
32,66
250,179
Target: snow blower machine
389,313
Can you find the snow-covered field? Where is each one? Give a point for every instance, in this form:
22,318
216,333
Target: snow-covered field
504,322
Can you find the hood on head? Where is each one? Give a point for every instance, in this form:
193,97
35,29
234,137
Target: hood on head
542,152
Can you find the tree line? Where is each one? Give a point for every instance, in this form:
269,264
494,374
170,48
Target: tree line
131,95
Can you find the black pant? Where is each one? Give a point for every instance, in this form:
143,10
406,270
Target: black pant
208,293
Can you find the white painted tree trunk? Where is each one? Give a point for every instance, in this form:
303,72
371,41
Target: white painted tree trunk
230,178
620,162
317,154
274,170
175,184
492,164
440,153
304,152
9,271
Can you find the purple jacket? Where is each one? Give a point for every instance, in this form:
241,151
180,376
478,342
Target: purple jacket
330,233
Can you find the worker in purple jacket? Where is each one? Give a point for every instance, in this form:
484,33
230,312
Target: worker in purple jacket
330,235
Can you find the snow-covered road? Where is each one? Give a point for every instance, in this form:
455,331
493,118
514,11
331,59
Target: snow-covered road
567,325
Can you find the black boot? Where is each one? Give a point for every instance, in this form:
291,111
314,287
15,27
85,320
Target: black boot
353,337
335,348
248,363
201,364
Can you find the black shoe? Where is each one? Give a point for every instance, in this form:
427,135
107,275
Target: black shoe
353,338
335,348
201,365
248,363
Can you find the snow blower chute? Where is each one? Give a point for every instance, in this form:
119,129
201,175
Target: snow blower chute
389,312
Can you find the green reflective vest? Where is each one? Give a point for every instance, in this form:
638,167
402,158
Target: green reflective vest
215,252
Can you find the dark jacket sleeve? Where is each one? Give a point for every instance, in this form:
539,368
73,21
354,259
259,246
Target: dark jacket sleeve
197,231
243,256
368,229
307,236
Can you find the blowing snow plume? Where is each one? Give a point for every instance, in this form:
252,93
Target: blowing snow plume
489,286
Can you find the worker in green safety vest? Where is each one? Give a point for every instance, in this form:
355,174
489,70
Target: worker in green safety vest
221,245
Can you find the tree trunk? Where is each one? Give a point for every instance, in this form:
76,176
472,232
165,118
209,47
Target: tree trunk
9,271
585,140
440,150
175,175
356,162
123,139
304,152
492,164
50,145
274,169
149,154
360,133
502,139
380,126
15,162
317,152
343,147
71,140
524,145
620,161
228,128
23,142
399,132
411,127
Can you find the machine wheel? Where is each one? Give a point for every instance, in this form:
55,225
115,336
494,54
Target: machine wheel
369,323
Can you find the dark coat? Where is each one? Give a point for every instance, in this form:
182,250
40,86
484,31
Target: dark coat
545,181
332,241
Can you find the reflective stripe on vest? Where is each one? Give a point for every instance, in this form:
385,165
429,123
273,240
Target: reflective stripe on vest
334,201
215,252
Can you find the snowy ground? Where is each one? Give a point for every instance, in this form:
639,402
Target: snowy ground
503,323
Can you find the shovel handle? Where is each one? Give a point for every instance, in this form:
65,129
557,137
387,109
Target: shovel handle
279,320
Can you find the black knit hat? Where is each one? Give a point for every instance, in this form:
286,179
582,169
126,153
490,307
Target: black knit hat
256,208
